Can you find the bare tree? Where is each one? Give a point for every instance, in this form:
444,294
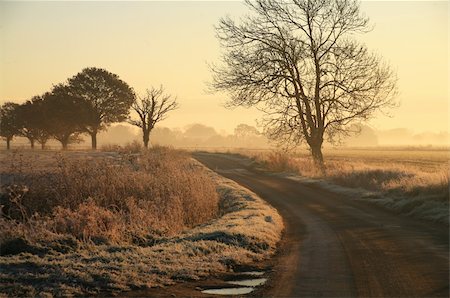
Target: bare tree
298,61
151,109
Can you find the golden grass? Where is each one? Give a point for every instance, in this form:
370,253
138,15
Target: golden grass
122,199
246,232
131,147
409,181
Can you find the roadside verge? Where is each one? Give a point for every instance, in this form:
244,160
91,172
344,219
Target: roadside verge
247,231
422,207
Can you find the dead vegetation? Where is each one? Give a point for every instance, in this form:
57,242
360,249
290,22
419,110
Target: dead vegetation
117,200
407,181
124,222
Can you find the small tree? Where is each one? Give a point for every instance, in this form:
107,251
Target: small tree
24,119
32,120
66,117
246,131
8,122
38,120
109,98
151,108
298,61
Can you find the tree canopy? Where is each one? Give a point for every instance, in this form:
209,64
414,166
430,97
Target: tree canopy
66,116
109,98
9,126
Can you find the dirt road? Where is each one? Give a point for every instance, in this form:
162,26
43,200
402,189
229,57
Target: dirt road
341,247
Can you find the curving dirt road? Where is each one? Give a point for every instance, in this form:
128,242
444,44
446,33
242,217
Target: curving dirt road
340,247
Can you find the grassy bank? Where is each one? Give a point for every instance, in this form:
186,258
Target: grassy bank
410,182
180,222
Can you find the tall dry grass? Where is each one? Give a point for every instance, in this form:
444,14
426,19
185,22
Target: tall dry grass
383,174
415,183
245,234
122,198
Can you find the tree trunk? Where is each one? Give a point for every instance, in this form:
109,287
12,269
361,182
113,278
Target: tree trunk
94,140
32,143
146,138
316,152
43,145
8,143
64,144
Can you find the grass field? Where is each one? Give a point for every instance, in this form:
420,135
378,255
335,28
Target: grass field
412,181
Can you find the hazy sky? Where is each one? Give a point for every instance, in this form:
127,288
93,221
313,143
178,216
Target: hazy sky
171,43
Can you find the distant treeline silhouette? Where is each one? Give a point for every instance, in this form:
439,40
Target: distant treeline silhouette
86,104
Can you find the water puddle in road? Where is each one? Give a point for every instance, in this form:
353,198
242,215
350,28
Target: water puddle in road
248,282
253,273
229,291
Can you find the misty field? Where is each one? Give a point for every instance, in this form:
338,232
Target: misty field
411,181
81,223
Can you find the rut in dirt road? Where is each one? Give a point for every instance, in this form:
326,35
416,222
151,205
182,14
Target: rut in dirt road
338,247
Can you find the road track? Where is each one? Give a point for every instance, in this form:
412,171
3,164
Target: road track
335,246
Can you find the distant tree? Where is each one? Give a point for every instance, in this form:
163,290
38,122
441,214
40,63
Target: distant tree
245,131
165,136
40,121
200,131
151,108
118,134
363,136
66,117
8,122
109,98
37,120
32,121
298,61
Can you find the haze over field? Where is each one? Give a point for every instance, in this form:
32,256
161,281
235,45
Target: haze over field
192,148
171,43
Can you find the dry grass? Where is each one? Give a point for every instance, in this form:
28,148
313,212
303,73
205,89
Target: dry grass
122,200
414,182
246,232
132,147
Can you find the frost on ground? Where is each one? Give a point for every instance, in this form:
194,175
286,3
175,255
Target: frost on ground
420,206
247,231
411,182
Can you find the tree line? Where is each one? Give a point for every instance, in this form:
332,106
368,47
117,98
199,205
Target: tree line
86,103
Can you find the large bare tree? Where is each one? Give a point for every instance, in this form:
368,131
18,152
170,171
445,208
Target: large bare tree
151,108
299,61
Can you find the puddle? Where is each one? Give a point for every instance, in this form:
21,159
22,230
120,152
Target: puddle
229,291
248,282
254,273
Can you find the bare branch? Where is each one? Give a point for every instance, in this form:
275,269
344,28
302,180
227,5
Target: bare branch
298,61
151,108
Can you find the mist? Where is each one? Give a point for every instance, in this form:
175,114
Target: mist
199,135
